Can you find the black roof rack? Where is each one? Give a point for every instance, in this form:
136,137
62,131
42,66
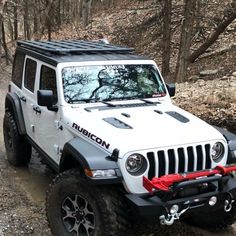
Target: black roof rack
72,47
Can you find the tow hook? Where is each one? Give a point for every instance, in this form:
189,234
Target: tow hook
228,203
171,217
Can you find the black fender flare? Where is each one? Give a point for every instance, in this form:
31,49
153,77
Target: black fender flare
90,157
13,104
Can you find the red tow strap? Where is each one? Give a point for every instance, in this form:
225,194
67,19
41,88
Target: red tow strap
164,182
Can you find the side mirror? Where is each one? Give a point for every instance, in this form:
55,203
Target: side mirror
171,89
46,99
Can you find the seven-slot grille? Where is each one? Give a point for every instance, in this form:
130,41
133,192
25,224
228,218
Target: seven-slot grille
179,160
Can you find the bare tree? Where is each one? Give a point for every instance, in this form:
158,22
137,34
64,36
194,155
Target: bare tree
2,4
48,15
86,12
80,8
4,44
58,13
26,20
166,39
15,20
185,40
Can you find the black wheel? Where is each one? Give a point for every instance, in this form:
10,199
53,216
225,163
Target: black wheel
76,208
215,220
18,150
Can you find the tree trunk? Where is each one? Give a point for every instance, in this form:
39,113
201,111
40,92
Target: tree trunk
4,44
10,29
1,22
15,21
185,41
2,4
199,9
26,20
63,10
49,15
229,16
58,15
80,9
49,31
76,14
86,11
166,30
36,20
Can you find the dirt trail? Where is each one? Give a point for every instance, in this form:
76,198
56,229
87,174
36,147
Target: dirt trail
22,192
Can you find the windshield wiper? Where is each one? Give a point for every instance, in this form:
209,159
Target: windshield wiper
109,104
149,102
86,100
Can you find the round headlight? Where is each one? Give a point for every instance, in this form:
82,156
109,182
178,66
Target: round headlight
136,164
217,151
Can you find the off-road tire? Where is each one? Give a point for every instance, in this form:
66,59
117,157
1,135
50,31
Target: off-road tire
215,220
18,150
110,213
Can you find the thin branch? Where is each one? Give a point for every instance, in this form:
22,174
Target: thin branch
229,16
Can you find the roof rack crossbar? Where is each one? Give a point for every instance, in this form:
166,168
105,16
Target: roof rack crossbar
71,46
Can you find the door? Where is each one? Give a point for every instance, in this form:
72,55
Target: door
27,97
47,122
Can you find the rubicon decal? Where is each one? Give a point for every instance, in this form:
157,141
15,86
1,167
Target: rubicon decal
91,136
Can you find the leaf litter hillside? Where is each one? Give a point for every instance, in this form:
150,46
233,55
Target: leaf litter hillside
210,91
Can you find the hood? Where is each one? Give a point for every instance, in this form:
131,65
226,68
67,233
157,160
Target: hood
136,126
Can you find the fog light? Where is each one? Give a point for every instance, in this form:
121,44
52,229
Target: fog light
174,209
212,201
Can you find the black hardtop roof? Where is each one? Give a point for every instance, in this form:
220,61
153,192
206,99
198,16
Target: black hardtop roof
71,46
54,52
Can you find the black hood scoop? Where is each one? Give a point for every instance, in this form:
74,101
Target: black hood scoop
178,116
117,123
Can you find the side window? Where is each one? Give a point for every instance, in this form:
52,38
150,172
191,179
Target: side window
30,72
48,81
17,71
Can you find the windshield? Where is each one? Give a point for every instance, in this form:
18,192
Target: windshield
111,82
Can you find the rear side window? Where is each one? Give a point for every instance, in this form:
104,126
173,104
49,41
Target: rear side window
48,81
30,72
18,68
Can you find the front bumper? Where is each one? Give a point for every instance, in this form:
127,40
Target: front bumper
189,196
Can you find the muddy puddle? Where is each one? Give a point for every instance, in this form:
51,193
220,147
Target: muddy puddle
34,179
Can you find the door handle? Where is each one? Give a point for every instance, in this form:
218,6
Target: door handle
23,99
37,109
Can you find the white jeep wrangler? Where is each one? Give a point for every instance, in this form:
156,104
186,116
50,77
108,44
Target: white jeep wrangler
102,118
